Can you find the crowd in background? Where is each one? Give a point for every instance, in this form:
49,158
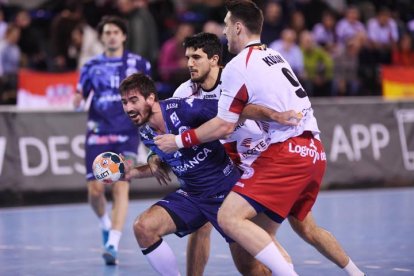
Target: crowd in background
335,47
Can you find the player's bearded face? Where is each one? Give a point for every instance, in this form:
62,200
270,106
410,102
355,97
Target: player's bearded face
198,64
137,108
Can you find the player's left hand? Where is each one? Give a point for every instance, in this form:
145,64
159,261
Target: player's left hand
166,143
289,118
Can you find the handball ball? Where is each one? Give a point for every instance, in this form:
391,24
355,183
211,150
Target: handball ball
108,167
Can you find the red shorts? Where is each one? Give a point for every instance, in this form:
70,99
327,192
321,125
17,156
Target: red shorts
287,176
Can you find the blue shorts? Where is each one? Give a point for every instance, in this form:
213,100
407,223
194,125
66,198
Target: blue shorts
189,213
119,143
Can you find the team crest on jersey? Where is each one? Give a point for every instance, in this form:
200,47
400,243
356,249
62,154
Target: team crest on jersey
190,101
175,120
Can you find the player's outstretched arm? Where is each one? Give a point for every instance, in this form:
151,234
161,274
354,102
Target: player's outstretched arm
211,130
261,113
142,171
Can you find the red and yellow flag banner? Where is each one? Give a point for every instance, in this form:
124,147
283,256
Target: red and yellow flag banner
397,82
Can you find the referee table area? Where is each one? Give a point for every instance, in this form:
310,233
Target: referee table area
375,227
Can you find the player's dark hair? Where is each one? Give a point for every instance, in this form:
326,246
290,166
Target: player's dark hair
111,19
138,82
247,12
208,42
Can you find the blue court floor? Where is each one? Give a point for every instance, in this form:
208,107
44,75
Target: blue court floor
376,227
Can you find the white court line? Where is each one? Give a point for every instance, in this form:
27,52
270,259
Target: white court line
221,256
401,269
372,266
74,261
33,247
312,262
56,248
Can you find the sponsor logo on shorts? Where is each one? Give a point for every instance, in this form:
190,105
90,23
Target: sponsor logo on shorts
181,192
239,184
308,151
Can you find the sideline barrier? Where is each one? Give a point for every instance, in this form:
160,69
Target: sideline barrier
368,141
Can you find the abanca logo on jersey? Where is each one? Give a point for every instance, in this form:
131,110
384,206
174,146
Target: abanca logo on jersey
196,160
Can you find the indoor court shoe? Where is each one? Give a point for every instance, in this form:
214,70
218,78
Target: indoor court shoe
110,255
105,236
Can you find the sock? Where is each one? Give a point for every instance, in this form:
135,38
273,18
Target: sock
161,258
114,237
105,222
352,269
271,257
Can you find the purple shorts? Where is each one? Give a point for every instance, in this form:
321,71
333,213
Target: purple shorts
119,143
189,213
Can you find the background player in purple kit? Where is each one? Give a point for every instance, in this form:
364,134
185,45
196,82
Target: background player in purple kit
108,128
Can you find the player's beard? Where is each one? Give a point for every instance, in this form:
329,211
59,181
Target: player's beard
200,79
145,115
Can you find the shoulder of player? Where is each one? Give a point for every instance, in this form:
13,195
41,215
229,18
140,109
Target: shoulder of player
93,61
184,90
182,105
130,55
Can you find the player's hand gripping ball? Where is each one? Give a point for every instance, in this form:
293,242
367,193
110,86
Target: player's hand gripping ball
108,167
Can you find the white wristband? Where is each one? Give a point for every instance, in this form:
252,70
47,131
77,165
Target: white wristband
179,141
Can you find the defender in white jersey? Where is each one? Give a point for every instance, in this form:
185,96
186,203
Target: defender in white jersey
203,52
287,175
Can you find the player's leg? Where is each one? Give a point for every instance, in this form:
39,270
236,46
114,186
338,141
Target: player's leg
96,190
149,228
246,264
97,200
120,196
324,242
234,218
198,250
120,190
178,213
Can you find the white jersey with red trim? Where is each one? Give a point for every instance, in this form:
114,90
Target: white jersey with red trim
192,89
248,139
260,75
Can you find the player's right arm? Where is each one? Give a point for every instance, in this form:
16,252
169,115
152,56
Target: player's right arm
83,87
77,99
261,113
